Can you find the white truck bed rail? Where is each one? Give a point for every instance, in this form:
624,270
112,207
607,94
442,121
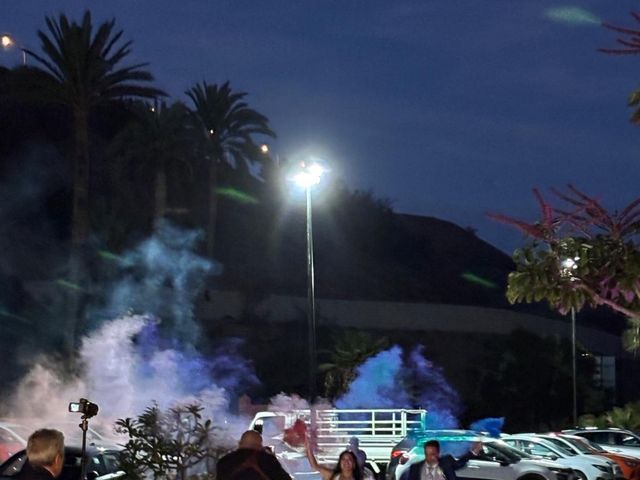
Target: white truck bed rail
378,430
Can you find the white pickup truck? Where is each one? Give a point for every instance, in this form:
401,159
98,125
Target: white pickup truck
378,431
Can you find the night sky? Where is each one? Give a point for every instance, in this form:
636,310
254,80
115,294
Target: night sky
449,109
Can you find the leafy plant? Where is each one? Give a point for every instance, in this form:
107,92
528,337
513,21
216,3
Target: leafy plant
622,417
580,254
172,444
351,349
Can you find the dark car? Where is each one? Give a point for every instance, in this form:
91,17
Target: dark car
399,455
102,464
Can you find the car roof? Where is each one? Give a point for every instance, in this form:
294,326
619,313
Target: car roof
75,450
530,436
448,435
597,429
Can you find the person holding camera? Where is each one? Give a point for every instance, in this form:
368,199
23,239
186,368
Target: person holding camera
45,455
251,461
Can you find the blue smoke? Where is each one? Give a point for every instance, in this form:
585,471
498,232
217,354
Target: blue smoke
433,392
161,277
376,384
491,426
224,366
389,380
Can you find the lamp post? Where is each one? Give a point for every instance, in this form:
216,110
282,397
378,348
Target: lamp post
568,266
307,176
8,41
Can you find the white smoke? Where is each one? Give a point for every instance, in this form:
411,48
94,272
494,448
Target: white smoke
123,379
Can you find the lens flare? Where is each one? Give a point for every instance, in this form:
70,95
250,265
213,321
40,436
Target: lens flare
237,195
570,15
473,278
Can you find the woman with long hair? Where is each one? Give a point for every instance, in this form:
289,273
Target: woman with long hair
346,469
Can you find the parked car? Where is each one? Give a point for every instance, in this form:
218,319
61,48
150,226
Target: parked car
586,468
399,453
496,461
616,440
10,443
629,466
102,464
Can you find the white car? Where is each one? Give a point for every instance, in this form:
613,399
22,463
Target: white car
586,468
565,441
496,461
615,440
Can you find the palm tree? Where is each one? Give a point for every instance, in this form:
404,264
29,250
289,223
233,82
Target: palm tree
227,127
80,69
351,349
157,139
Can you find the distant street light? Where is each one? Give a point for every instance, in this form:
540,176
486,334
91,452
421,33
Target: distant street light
8,42
567,269
307,176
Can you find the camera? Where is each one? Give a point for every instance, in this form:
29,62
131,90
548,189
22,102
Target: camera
85,407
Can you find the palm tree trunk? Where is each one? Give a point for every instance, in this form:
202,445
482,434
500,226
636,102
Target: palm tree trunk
160,196
212,211
79,223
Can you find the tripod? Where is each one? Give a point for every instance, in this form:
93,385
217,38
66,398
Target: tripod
84,426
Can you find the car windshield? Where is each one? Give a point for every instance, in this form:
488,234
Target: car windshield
584,445
560,445
631,441
510,453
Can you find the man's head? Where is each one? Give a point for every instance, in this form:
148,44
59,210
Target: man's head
45,449
251,439
431,451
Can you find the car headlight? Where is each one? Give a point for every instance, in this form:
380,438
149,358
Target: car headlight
602,468
631,463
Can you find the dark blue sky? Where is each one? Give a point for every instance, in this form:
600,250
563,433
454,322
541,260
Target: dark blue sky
450,109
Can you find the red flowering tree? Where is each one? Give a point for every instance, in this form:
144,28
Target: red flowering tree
580,254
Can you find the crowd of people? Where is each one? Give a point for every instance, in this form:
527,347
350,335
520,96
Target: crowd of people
253,461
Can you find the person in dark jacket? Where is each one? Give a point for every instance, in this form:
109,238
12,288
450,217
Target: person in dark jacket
45,455
435,467
250,461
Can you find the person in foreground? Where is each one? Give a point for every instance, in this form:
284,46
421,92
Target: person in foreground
250,461
45,455
435,467
346,469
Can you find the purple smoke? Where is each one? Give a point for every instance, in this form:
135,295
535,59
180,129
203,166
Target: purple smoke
389,380
376,384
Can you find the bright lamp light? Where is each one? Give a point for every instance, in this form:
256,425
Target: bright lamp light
308,175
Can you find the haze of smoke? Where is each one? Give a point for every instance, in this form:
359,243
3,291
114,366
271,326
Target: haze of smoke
287,403
377,383
162,276
432,391
388,380
30,181
392,379
124,377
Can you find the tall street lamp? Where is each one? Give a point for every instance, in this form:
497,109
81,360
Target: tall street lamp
568,267
307,176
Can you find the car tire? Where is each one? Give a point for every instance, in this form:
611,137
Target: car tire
531,476
580,474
